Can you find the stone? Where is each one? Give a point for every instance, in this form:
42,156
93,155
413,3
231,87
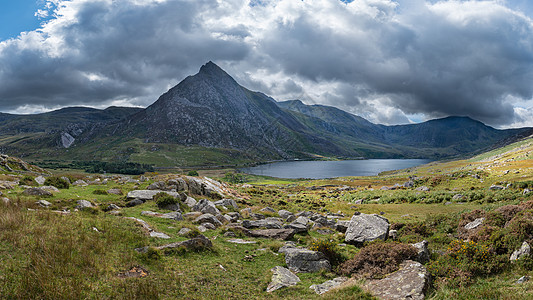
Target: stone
524,251
299,228
267,210
190,201
233,216
409,184
474,224
172,215
51,189
230,234
328,285
277,234
158,185
184,231
526,191
422,251
342,226
208,218
522,279
271,223
115,191
159,235
112,207
325,231
409,282
240,241
192,215
80,183
40,180
306,261
393,235
43,203
227,203
134,202
83,204
422,188
281,278
207,207
458,197
146,195
289,246
364,228
5,200
36,192
495,187
208,226
286,215
198,243
257,216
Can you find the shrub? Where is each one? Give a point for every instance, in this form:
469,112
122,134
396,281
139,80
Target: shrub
509,211
58,182
378,259
329,249
163,199
27,180
193,173
100,192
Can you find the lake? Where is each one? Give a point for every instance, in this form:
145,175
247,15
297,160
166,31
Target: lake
331,169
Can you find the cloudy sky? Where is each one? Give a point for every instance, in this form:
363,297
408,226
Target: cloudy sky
392,62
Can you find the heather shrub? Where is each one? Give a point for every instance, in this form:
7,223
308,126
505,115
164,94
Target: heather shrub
27,180
100,192
163,199
509,211
378,259
58,182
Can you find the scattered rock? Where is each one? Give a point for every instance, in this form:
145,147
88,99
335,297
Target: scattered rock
306,261
241,241
36,192
286,215
474,224
233,216
526,191
363,228
325,231
207,207
198,243
80,183
134,202
146,195
422,188
190,201
495,187
524,251
272,223
342,226
281,278
423,251
43,203
409,282
83,204
393,234
150,231
159,235
112,207
172,215
328,285
522,279
267,210
277,234
208,218
184,231
40,180
458,197
227,203
115,191
208,226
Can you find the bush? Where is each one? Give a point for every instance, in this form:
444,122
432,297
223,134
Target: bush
58,182
163,199
329,249
378,259
193,173
27,180
100,192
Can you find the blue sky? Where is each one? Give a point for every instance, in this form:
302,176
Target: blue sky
390,61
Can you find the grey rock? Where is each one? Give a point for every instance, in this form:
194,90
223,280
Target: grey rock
474,224
299,228
257,216
522,279
83,204
209,226
233,216
526,191
205,206
192,215
272,223
6,200
146,195
66,179
495,187
306,261
393,234
268,210
80,183
281,278
40,180
202,228
364,228
286,215
422,251
277,234
134,202
158,185
409,184
114,191
227,203
288,247
409,282
184,231
325,231
36,192
190,201
342,226
458,197
328,285
240,241
112,207
230,234
422,188
159,235
198,243
208,218
524,251
43,203
51,189
172,215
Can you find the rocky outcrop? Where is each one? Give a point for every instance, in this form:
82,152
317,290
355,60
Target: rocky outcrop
328,285
207,207
409,282
364,228
271,223
423,254
524,251
281,278
306,261
36,192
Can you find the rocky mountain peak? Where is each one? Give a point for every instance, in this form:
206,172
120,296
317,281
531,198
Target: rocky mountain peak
212,70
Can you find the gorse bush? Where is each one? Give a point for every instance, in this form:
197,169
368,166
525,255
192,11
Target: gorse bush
163,199
58,182
378,259
329,249
27,180
193,173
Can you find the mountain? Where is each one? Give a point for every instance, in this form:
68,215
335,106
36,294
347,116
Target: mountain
209,119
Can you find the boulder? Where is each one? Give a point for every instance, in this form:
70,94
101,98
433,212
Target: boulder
524,251
474,224
272,223
458,197
364,228
36,192
233,216
277,234
205,206
208,226
192,215
134,202
112,207
40,180
227,203
51,189
286,215
179,184
257,216
422,251
184,231
299,228
158,185
409,282
495,187
422,188
328,285
306,261
43,203
267,210
80,183
198,243
190,201
172,215
83,204
207,218
146,195
115,191
281,278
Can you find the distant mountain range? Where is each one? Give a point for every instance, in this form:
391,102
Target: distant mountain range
209,119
